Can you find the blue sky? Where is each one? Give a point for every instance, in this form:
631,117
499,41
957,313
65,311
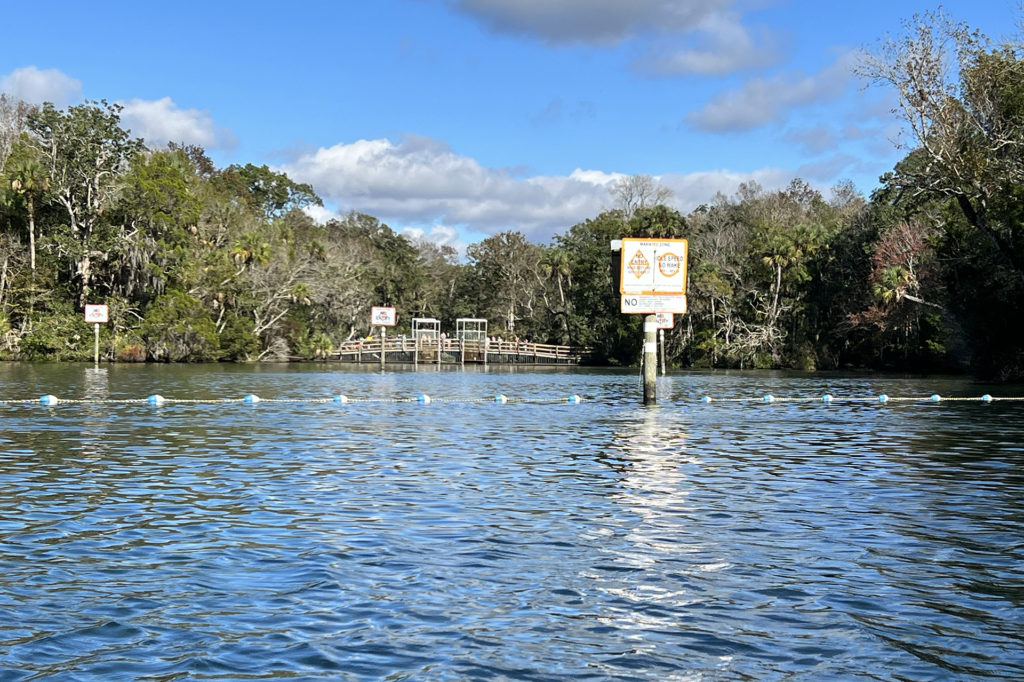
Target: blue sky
452,120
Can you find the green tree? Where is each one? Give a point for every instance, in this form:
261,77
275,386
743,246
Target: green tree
85,151
28,180
966,123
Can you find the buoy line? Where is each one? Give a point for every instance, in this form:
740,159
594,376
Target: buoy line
422,398
253,399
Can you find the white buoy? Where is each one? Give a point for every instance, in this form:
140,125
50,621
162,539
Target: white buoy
935,397
883,398
500,398
706,399
986,398
827,398
251,399
155,399
340,398
49,399
768,397
574,399
423,398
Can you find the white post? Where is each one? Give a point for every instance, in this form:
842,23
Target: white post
661,337
650,360
383,345
96,346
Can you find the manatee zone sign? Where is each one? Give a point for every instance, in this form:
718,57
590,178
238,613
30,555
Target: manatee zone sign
653,276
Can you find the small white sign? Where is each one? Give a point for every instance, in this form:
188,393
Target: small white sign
649,305
666,320
383,316
96,313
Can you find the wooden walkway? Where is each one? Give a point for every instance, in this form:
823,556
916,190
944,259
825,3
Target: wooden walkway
454,351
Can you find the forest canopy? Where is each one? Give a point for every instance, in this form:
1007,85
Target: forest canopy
199,263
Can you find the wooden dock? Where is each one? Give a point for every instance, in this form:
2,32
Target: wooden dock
455,351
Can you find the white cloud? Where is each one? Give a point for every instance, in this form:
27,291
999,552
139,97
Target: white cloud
722,45
434,193
36,86
422,181
693,189
161,121
762,100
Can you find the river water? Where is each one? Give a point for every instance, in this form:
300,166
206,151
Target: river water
385,538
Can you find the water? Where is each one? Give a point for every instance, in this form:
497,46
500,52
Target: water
534,540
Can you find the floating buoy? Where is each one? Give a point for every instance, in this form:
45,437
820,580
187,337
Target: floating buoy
340,399
423,398
768,397
986,398
574,399
706,399
935,397
827,398
500,399
155,399
883,398
251,399
49,399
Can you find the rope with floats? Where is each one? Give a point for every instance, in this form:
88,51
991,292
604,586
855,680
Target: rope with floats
423,398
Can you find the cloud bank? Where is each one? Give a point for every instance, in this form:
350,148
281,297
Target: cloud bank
422,182
35,86
161,121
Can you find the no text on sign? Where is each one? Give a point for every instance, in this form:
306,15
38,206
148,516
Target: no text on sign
96,313
649,305
655,267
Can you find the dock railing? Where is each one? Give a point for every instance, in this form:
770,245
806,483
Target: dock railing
456,351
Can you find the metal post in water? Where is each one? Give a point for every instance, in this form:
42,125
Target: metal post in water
96,346
383,345
650,360
661,343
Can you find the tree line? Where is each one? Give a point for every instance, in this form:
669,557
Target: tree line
199,263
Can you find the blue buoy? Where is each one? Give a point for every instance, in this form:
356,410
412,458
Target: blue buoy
251,399
827,398
935,397
706,399
423,398
768,397
986,398
883,398
340,398
49,399
574,399
500,398
155,399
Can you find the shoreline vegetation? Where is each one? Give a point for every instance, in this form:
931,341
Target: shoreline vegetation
202,264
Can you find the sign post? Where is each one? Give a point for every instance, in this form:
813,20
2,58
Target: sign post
97,314
665,321
652,281
384,317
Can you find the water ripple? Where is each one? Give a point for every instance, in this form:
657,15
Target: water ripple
525,541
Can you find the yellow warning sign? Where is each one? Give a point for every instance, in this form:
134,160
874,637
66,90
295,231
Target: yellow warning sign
639,265
657,267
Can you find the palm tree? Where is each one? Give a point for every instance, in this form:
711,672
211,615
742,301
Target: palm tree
28,179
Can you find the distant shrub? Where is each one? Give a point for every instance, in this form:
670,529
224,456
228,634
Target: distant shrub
177,328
